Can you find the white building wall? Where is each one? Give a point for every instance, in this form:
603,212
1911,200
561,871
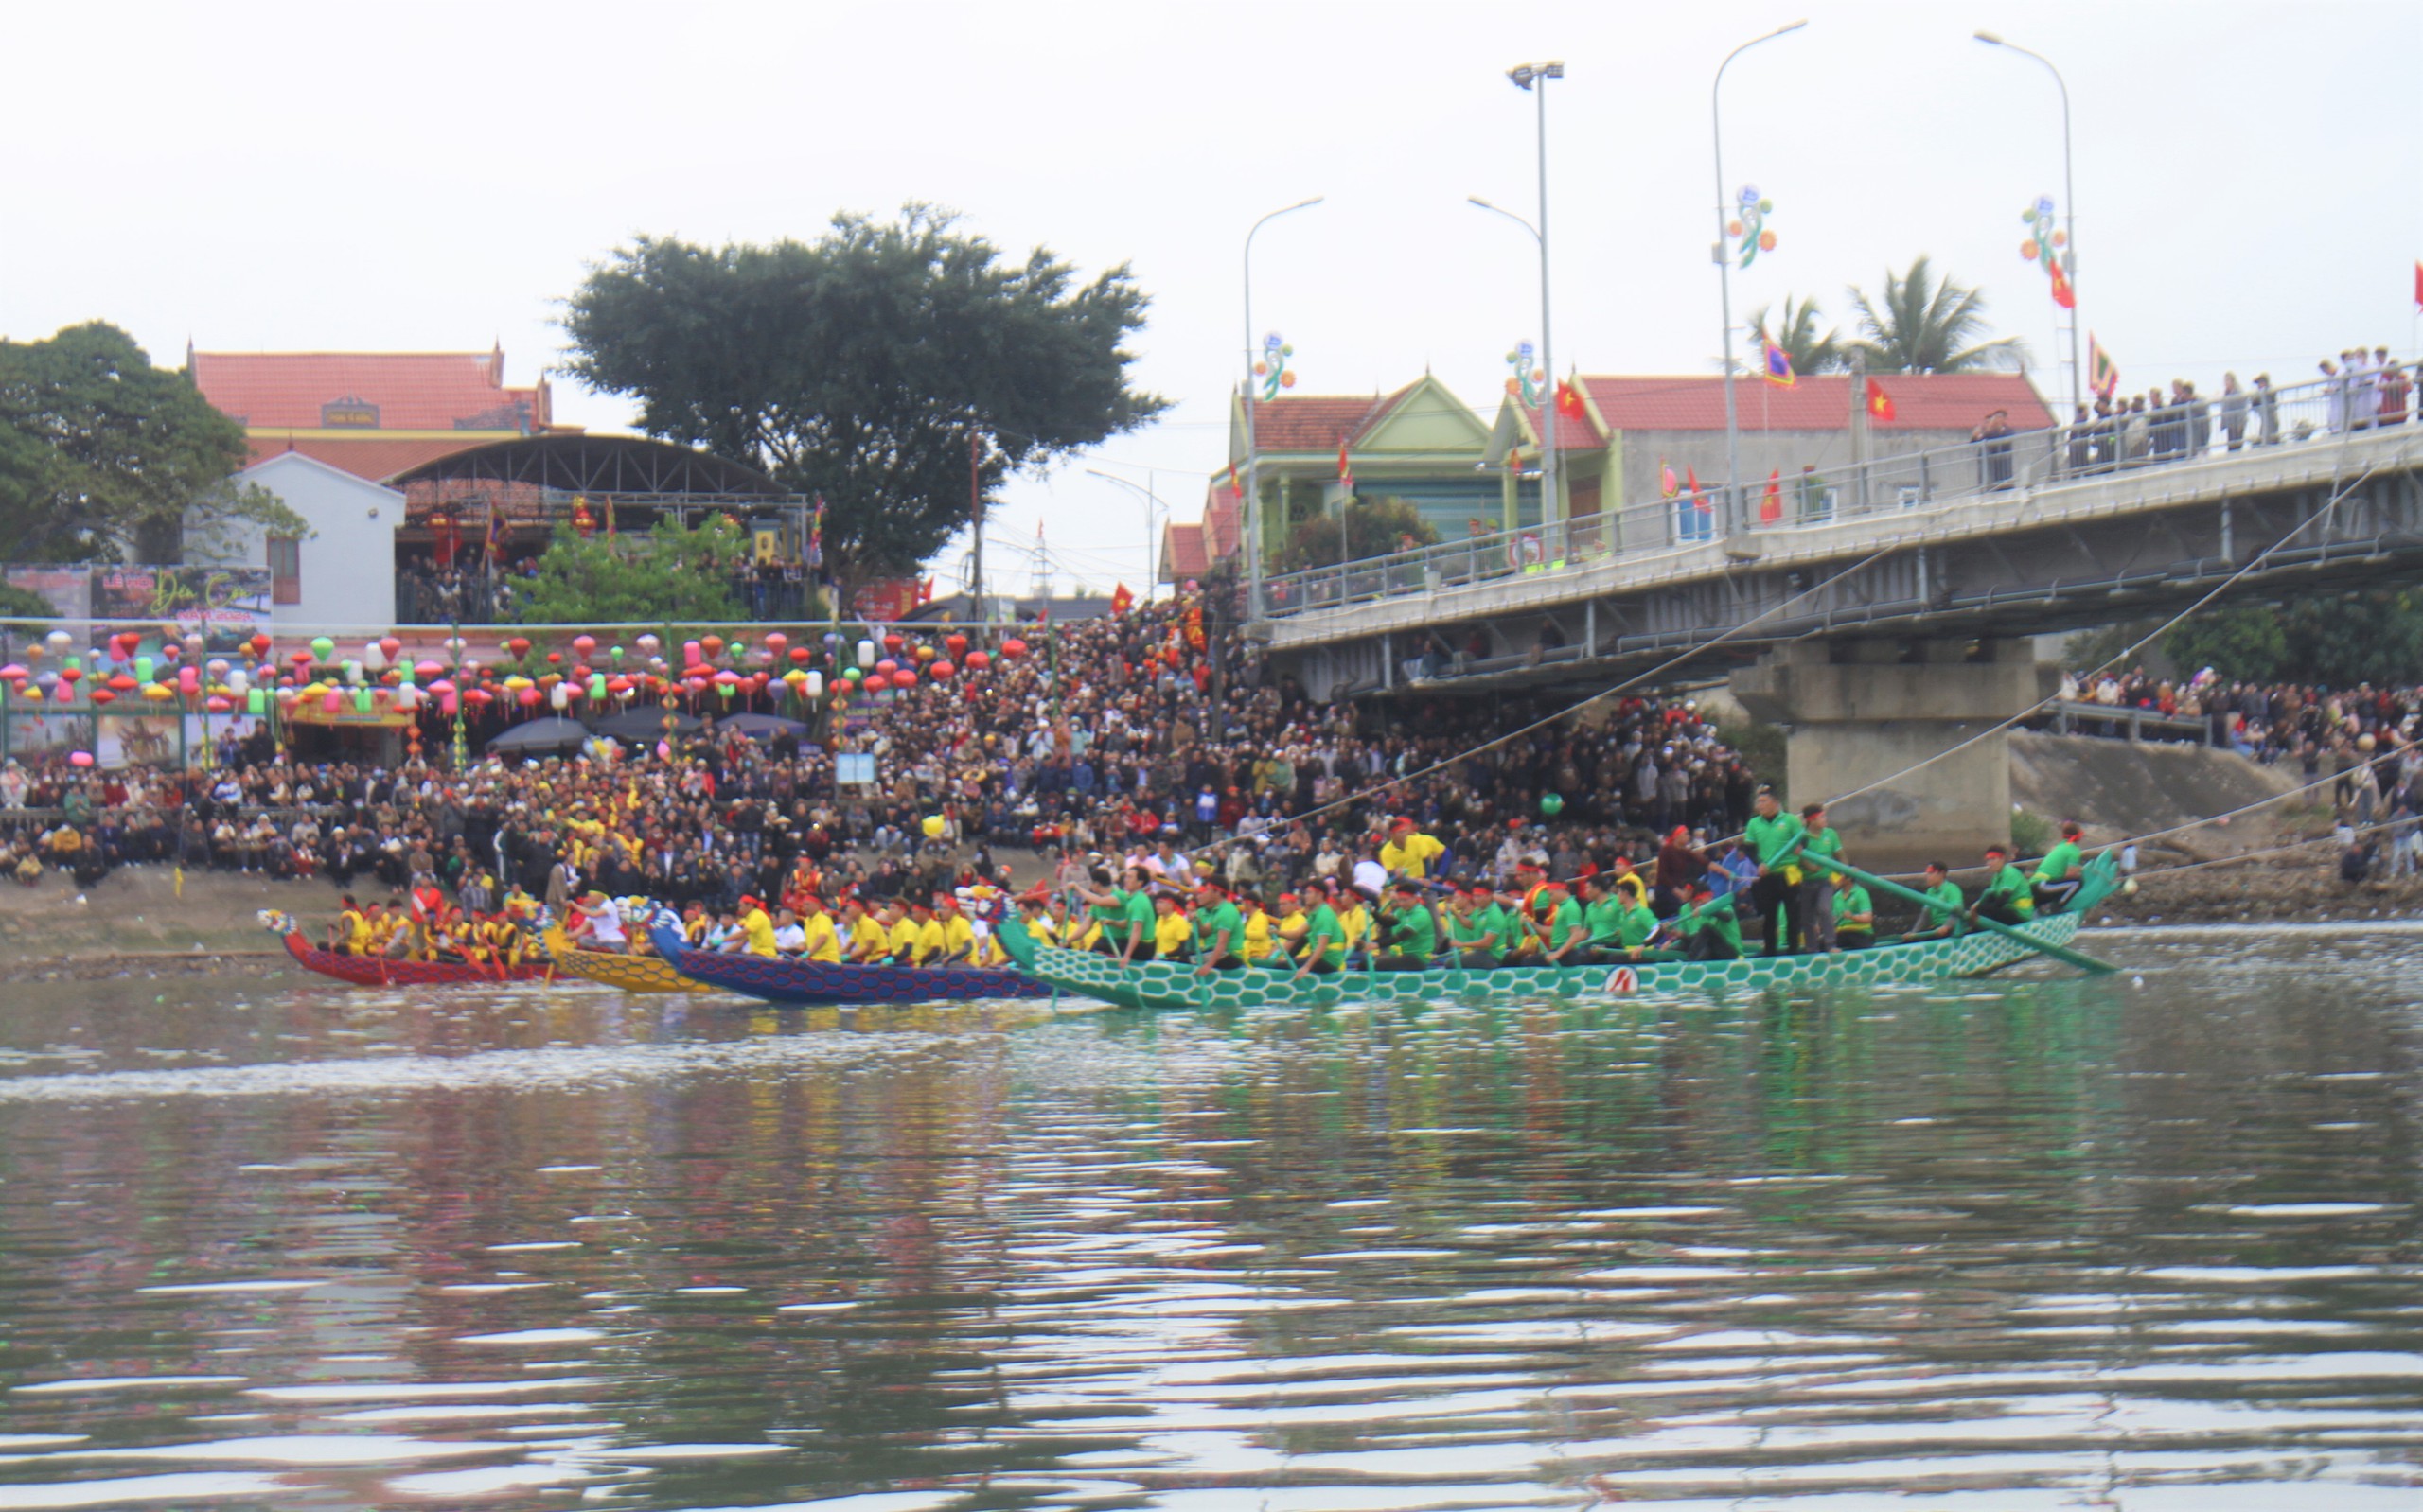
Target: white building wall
349,558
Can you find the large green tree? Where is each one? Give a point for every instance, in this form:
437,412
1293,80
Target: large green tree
1375,527
669,575
861,367
2337,640
1794,329
104,456
1918,322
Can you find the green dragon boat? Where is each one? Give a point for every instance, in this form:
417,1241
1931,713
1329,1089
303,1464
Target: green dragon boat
1163,984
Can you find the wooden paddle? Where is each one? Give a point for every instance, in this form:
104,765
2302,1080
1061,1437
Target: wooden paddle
2063,953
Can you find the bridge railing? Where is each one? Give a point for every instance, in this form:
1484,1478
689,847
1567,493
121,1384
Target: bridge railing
2142,439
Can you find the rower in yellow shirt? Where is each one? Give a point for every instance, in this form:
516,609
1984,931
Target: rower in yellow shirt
958,942
816,925
1409,853
869,940
900,935
1077,931
756,929
933,943
350,934
1258,929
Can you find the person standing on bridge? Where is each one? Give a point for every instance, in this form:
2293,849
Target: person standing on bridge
2234,409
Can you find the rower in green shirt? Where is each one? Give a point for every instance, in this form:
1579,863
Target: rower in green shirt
2007,899
1476,929
1137,919
1854,916
1635,926
1602,919
2061,872
1944,905
1709,927
1219,929
1324,938
1567,937
1821,843
1413,935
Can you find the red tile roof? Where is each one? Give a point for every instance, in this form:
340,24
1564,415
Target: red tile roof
412,390
1573,432
1316,422
372,457
1182,552
1921,401
1223,528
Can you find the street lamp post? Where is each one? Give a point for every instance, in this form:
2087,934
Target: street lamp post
1152,500
1725,283
2069,206
1532,78
1253,481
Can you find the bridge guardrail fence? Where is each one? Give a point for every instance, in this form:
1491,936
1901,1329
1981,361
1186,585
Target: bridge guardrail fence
2170,435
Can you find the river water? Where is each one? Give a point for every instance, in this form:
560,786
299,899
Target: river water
2147,1243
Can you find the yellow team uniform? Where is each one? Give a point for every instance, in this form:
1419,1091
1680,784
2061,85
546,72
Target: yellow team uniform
1412,857
931,941
822,943
958,935
901,944
867,939
1171,933
355,930
1356,923
1258,935
1080,930
760,931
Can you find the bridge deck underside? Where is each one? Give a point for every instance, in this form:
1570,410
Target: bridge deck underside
2062,571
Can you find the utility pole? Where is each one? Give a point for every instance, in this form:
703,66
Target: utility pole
976,517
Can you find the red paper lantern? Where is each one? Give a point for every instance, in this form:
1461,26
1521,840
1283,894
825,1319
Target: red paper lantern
941,670
904,679
978,662
955,644
1014,648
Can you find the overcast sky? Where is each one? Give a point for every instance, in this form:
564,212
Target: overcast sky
434,177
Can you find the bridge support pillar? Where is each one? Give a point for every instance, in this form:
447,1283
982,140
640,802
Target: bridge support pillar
1867,711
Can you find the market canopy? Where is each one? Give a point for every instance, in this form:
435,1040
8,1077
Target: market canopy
538,736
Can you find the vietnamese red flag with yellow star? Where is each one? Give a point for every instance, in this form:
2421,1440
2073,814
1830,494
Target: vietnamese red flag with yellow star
1880,406
1121,599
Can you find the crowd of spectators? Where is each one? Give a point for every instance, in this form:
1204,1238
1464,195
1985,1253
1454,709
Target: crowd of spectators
1150,735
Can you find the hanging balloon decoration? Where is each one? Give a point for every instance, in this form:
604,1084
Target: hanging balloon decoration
1273,368
1526,386
1749,226
2048,245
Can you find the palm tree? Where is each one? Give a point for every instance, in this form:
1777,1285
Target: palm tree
1925,325
1795,331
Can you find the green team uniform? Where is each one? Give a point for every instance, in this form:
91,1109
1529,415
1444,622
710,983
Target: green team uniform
1715,914
1413,932
1466,932
2058,861
1209,925
1943,904
1604,919
1769,839
1137,908
1562,925
1636,925
1851,899
1323,926
2011,884
1826,843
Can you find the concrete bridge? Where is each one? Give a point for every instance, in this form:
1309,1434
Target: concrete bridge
1889,627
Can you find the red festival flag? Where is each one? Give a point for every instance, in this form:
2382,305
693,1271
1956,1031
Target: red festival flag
2103,374
2063,295
1121,599
1771,506
2419,280
1699,500
1345,468
1569,402
1666,478
1879,405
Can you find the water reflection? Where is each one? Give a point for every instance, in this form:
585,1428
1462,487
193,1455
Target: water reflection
2008,1245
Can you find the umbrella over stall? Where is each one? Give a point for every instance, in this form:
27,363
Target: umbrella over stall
539,737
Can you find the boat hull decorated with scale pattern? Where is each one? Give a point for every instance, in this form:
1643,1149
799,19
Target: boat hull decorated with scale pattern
632,974
819,984
1162,984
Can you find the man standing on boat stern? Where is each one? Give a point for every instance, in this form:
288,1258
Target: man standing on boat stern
1773,838
1820,843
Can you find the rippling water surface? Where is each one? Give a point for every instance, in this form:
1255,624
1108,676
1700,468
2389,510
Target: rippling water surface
2140,1243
